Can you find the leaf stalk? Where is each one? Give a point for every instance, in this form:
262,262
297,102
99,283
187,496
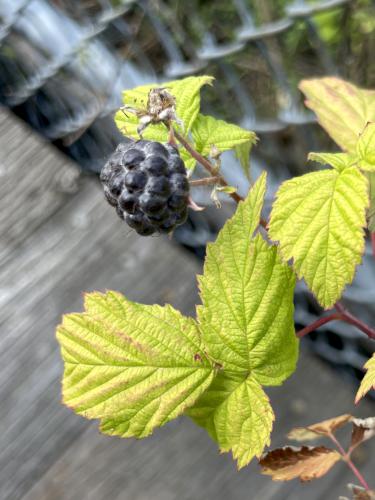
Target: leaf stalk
346,457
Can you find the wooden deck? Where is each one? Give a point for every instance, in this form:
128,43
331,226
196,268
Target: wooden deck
58,239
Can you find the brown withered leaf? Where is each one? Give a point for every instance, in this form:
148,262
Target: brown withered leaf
323,428
363,429
302,434
306,463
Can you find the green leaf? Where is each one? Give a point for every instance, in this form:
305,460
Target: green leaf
343,109
127,123
187,94
368,381
226,189
237,414
243,155
366,148
247,326
339,161
189,161
319,219
371,211
208,131
133,366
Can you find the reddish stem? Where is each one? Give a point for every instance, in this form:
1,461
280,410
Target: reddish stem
342,314
316,324
211,169
348,461
353,320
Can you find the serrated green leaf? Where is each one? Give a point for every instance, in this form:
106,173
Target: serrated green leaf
207,131
242,152
237,414
339,161
127,123
187,94
368,381
319,219
366,148
371,210
247,294
133,366
247,326
343,109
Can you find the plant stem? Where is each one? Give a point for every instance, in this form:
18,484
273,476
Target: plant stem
207,181
343,315
316,324
206,164
171,136
353,320
348,461
211,169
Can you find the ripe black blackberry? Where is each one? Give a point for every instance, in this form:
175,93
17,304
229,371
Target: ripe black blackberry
146,182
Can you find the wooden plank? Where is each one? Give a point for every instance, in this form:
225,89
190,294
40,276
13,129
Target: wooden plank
68,242
34,181
49,272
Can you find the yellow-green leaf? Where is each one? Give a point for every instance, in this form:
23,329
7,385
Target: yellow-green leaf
371,210
366,148
319,219
368,381
187,94
133,366
242,152
208,131
237,414
343,109
247,326
339,161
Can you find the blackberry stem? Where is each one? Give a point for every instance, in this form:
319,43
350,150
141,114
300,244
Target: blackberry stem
316,324
211,169
171,135
206,164
346,458
342,314
207,181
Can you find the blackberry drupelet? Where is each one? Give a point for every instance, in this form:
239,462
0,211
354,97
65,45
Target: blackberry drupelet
146,182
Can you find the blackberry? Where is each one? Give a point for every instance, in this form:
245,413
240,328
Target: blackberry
147,184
